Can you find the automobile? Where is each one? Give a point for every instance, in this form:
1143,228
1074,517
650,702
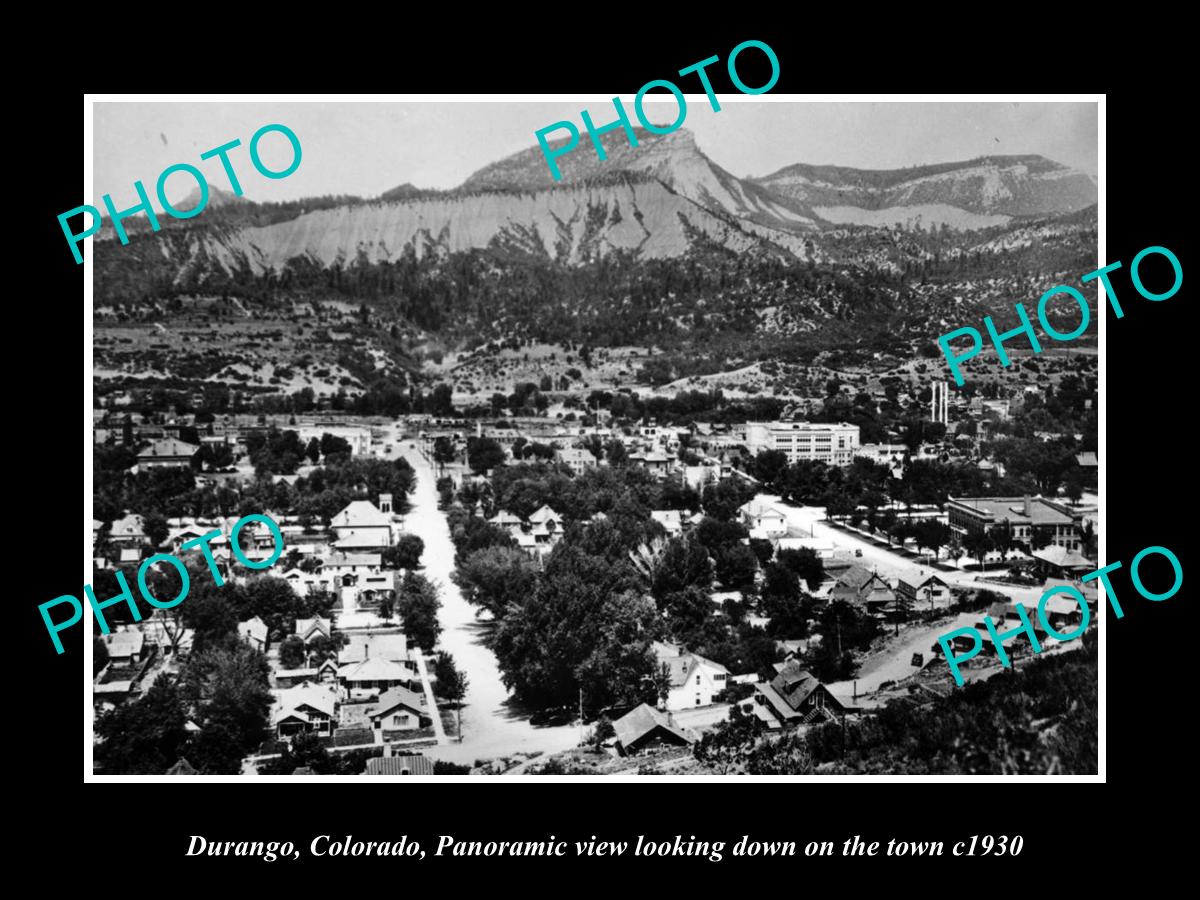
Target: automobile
858,552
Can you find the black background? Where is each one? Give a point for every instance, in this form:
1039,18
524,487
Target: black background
1148,459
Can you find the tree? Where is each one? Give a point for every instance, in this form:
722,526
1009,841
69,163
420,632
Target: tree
291,652
405,553
99,655
805,564
387,608
736,566
781,603
616,453
978,544
1002,538
313,451
932,535
275,602
580,607
144,736
441,400
495,578
210,615
452,684
228,687
683,563
840,507
484,454
156,528
443,452
417,604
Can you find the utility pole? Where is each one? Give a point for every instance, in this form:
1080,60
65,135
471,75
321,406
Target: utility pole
581,714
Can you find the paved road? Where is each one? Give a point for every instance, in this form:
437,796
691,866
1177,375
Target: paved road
491,726
805,520
897,664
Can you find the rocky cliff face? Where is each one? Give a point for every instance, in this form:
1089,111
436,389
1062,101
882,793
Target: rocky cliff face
974,194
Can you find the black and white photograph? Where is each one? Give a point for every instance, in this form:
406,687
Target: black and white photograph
478,438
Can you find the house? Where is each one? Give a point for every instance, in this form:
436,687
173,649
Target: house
363,526
182,767
645,729
396,711
546,517
310,629
795,697
170,452
669,519
369,678
399,765
576,459
763,518
506,520
1059,562
1064,613
125,647
652,461
254,633
863,589
694,680
390,646
128,532
309,708
932,593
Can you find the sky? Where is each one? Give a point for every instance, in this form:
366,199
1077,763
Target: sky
366,148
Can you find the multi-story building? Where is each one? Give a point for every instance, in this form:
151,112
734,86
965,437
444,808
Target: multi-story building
830,443
1057,524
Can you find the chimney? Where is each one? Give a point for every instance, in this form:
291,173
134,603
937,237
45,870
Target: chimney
1028,504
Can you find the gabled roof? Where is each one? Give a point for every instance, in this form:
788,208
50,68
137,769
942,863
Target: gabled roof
794,684
399,765
360,514
304,703
352,560
374,670
255,629
641,721
362,646
758,508
855,577
307,627
1062,557
504,518
168,448
182,767
129,526
398,698
681,663
361,541
543,515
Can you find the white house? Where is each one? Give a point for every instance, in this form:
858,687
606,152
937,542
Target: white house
363,526
763,519
254,633
695,681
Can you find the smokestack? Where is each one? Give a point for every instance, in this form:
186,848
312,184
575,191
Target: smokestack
1028,504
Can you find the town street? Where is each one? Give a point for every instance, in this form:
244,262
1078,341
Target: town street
804,521
490,727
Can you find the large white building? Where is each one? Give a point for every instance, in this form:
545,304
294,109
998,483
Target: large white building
829,443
